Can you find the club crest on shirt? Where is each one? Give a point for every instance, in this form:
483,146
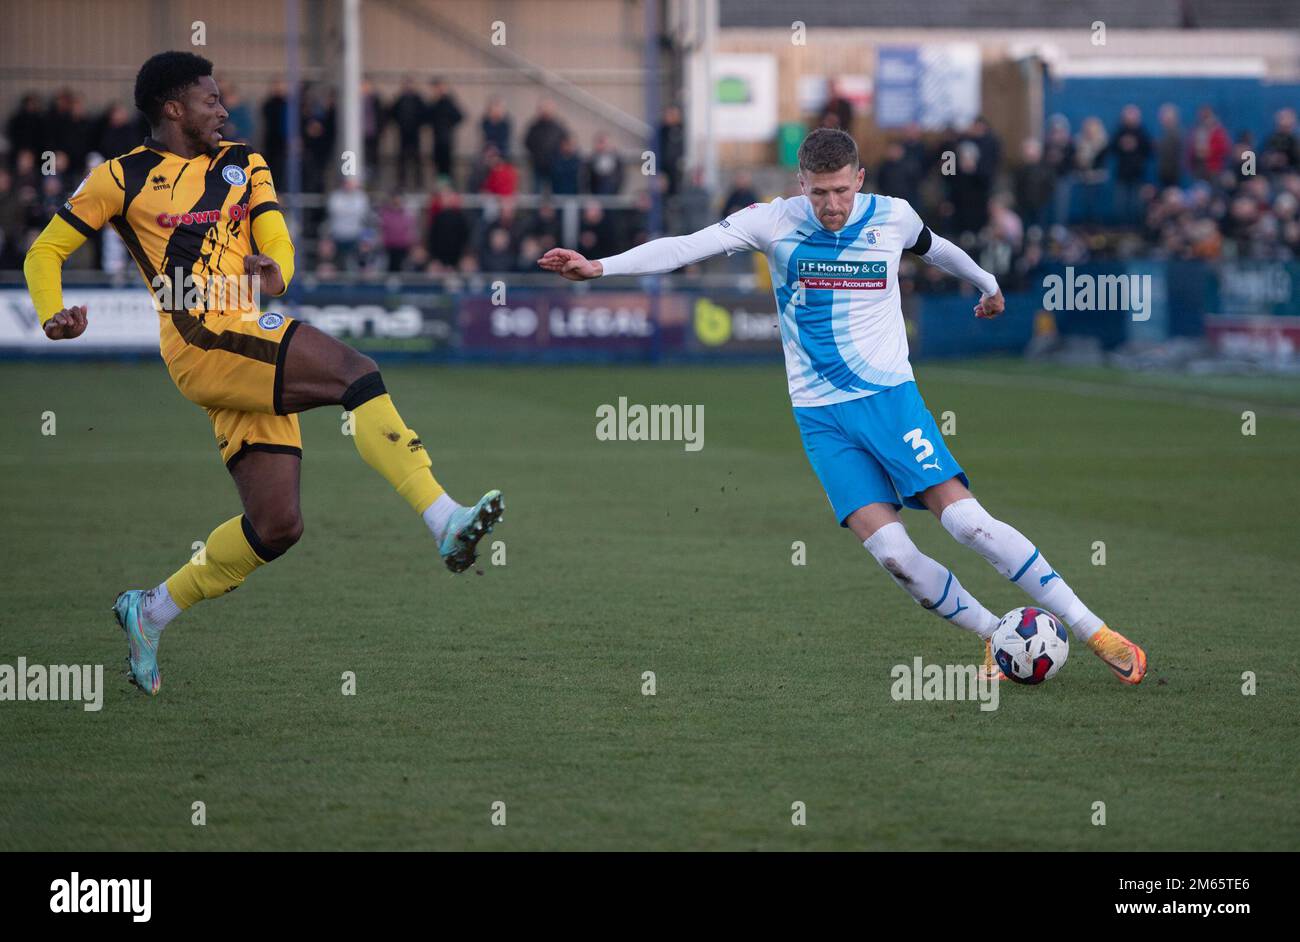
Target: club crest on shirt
233,175
873,235
270,320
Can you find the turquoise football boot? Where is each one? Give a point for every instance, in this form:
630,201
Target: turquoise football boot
142,662
467,526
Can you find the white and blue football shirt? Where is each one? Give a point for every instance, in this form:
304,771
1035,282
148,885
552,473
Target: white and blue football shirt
836,292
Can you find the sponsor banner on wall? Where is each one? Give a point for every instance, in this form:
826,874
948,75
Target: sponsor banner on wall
411,322
554,321
733,322
744,97
118,321
1250,287
1261,337
934,86
125,321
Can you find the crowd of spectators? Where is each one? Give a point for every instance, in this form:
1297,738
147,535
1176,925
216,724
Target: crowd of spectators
1181,192
1163,190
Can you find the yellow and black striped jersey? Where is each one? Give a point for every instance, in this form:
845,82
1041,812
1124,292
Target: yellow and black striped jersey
189,223
194,215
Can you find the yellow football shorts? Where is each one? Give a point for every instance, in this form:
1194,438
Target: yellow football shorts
233,366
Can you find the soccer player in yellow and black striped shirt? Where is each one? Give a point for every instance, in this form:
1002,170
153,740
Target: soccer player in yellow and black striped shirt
199,215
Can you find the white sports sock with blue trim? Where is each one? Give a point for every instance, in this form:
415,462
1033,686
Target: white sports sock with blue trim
934,587
1019,560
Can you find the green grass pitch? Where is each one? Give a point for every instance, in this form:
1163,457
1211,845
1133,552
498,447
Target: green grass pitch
523,684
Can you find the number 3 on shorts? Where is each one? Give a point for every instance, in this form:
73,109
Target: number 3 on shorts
921,445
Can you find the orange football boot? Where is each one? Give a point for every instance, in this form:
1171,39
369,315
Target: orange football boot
1126,659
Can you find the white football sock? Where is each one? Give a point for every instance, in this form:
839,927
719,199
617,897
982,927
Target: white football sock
158,609
934,587
438,514
1019,560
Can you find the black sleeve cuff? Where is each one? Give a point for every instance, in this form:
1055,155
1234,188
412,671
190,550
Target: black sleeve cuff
71,219
261,208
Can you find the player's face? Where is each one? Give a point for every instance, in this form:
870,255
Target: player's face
831,194
203,117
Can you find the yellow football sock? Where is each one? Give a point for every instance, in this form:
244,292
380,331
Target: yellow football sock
223,564
395,451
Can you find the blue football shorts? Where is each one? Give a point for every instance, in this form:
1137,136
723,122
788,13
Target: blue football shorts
883,448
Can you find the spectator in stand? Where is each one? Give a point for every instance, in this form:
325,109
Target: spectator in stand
1058,153
13,218
239,120
837,107
444,115
596,232
396,231
969,192
275,146
326,257
542,141
448,233
566,168
693,208
121,133
980,133
348,210
1090,162
1207,145
1035,183
496,127
495,174
408,113
1132,149
1281,150
1169,148
74,135
318,137
742,193
544,227
914,150
672,147
26,129
372,127
604,167
498,242
897,175
25,174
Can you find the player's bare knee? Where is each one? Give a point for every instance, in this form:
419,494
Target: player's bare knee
281,530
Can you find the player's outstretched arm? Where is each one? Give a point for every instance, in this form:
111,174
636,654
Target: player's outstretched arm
43,269
944,255
651,258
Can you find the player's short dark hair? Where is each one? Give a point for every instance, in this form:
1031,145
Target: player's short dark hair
164,77
826,150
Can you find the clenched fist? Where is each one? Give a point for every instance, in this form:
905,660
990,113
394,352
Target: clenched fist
68,323
990,306
267,270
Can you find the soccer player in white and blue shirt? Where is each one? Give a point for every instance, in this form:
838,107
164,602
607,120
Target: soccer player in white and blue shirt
834,254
